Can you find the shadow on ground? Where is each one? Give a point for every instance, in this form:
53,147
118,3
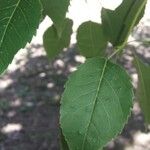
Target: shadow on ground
29,99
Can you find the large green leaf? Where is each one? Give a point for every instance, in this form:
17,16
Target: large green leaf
143,91
53,43
95,105
18,22
56,10
91,40
119,23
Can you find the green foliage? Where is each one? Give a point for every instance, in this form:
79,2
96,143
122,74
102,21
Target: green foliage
143,92
119,23
98,96
91,39
63,143
18,22
95,104
56,10
53,43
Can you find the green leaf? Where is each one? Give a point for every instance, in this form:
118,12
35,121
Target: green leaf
18,22
95,105
63,143
56,10
119,23
143,91
91,40
53,43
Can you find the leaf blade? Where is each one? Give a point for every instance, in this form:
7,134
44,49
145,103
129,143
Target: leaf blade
119,23
143,93
86,105
56,10
53,43
15,32
91,39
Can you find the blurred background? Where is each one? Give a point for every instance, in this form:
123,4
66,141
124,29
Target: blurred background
31,87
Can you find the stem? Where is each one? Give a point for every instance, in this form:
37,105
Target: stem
117,50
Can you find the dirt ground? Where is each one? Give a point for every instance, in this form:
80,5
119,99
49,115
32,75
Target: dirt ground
30,92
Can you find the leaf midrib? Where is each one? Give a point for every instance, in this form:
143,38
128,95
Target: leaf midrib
9,22
95,100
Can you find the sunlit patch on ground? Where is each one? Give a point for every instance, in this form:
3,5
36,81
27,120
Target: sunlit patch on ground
12,127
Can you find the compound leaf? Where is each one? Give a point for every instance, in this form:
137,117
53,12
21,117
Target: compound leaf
119,23
53,43
143,91
18,22
91,40
95,105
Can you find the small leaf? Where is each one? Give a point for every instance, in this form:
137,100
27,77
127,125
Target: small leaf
143,91
53,43
56,10
119,23
95,105
91,40
18,22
